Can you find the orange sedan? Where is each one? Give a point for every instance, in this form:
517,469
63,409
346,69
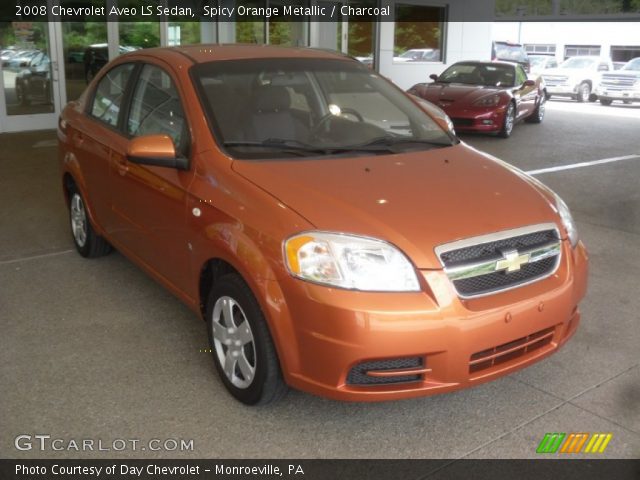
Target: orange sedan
333,232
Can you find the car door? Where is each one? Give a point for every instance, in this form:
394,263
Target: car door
525,95
95,134
148,201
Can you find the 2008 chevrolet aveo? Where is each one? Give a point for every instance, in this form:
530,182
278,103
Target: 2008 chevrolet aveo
332,231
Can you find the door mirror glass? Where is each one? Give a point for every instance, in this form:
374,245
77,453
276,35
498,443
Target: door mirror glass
529,83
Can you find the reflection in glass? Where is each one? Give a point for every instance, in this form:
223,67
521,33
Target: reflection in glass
418,33
85,52
287,33
26,68
136,35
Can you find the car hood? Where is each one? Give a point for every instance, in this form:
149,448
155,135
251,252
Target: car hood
414,200
567,72
446,94
623,74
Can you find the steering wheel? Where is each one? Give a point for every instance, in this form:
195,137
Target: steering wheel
328,116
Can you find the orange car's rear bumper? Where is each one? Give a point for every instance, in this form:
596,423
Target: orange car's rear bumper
459,343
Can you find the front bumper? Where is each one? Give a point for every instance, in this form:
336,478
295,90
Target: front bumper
616,94
563,90
461,343
488,120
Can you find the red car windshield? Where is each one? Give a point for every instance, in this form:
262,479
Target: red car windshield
485,74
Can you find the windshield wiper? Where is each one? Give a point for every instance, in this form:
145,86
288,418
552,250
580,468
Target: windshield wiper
288,146
388,144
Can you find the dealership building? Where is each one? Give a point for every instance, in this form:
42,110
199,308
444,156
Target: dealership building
409,40
440,31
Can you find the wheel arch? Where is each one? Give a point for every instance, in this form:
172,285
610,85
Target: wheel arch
264,286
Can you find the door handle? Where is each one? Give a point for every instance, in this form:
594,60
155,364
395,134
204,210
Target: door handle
121,163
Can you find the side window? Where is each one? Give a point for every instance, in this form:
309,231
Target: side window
553,64
521,76
108,97
603,67
156,107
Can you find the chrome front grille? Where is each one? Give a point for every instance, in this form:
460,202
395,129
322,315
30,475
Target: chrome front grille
618,82
555,80
501,261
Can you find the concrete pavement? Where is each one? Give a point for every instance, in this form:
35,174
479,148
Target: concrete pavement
96,349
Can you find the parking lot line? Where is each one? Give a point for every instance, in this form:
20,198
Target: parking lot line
582,164
34,257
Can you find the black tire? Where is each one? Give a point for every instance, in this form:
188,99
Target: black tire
547,96
264,384
627,102
88,243
538,114
604,101
584,92
508,122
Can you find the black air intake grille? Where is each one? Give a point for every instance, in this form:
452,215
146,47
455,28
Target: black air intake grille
358,374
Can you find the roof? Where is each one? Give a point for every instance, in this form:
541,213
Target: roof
210,52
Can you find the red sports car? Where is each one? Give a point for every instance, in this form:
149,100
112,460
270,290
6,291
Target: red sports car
485,96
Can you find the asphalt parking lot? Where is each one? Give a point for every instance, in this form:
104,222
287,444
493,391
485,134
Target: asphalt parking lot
96,349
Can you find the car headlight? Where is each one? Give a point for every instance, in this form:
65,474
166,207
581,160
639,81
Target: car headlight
567,221
349,261
490,101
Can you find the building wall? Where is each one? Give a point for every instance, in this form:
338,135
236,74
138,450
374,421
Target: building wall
604,34
464,40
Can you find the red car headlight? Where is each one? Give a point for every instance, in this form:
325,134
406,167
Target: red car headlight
489,101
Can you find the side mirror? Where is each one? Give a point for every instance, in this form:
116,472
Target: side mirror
155,150
529,83
433,77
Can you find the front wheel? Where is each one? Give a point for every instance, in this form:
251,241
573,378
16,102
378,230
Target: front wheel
509,120
604,101
243,351
88,243
538,114
584,92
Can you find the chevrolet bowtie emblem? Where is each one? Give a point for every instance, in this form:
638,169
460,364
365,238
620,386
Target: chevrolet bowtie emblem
512,261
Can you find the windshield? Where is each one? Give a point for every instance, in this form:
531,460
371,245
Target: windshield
269,108
578,63
510,52
485,74
632,65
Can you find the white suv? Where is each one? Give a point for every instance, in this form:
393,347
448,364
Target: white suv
623,84
576,77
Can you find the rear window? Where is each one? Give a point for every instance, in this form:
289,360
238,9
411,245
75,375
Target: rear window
512,53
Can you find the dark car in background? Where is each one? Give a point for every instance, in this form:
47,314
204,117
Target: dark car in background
33,83
485,97
510,52
97,56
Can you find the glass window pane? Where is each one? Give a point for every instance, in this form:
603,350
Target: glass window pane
136,35
418,33
156,107
26,68
85,52
106,104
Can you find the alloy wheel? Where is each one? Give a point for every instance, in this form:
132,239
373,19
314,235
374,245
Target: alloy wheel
78,220
233,342
509,119
541,108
